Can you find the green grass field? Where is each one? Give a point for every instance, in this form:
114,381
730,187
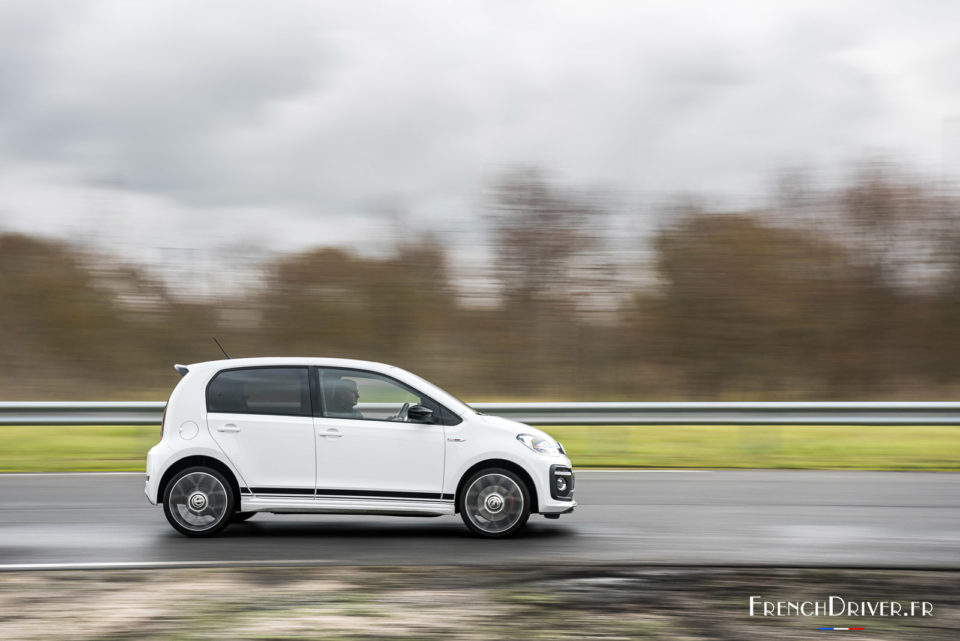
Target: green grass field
108,449
737,446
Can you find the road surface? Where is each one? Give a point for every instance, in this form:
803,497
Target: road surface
764,517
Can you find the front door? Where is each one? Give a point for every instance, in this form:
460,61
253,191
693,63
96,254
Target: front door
262,420
366,447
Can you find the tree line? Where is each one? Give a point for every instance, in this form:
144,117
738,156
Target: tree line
849,292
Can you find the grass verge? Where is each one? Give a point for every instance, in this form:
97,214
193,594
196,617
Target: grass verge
936,448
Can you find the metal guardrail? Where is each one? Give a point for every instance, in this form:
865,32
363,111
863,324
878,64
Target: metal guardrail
769,413
81,413
877,413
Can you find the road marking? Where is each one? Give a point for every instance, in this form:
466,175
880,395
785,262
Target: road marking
5,474
694,564
601,471
146,565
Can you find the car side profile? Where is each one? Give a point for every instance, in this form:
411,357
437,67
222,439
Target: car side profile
338,436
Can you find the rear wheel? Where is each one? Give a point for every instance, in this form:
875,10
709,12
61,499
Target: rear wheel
198,501
494,503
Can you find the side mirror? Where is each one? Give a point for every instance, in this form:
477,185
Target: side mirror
419,414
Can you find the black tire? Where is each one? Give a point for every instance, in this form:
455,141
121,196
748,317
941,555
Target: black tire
494,503
198,501
240,517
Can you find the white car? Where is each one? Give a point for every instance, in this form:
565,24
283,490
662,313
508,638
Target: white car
336,436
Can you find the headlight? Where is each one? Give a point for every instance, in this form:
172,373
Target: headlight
541,445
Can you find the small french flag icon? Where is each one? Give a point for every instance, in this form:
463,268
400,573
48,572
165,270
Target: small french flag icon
840,628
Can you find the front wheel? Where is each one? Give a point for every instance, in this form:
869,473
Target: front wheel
495,503
198,501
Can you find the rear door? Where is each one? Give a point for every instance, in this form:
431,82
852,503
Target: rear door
261,418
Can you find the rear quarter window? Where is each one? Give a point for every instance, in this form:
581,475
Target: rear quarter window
260,390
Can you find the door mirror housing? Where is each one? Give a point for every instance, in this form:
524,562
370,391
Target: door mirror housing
419,414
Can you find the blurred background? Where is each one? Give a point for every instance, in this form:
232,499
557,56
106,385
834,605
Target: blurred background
519,201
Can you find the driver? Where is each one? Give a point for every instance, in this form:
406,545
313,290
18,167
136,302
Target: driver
344,400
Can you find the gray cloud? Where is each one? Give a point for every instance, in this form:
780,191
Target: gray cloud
324,112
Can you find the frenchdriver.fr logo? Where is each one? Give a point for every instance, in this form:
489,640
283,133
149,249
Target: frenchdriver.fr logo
837,606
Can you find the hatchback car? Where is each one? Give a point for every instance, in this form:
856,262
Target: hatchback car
336,436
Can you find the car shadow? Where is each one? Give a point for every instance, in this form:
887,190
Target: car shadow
320,529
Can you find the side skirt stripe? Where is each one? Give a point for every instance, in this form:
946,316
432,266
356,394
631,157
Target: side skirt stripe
383,494
380,494
283,490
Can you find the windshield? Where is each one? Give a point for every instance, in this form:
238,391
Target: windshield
428,384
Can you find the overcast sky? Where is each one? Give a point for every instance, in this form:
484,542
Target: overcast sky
264,126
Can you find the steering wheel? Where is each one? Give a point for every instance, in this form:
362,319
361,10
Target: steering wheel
402,414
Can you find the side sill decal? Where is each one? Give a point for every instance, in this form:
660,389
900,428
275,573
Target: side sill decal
338,493
379,494
283,490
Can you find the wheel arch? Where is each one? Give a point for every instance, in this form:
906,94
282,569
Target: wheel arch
204,461
507,465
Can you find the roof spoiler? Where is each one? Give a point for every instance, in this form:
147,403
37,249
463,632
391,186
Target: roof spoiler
181,368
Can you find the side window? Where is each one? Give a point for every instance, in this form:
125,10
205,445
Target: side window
261,390
364,395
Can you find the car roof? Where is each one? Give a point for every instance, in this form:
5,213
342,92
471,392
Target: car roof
261,361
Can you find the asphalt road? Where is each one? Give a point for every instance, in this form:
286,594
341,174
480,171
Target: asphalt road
778,518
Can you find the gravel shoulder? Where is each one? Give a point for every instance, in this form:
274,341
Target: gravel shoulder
365,603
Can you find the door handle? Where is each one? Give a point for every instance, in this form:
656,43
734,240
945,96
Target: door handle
330,434
229,427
